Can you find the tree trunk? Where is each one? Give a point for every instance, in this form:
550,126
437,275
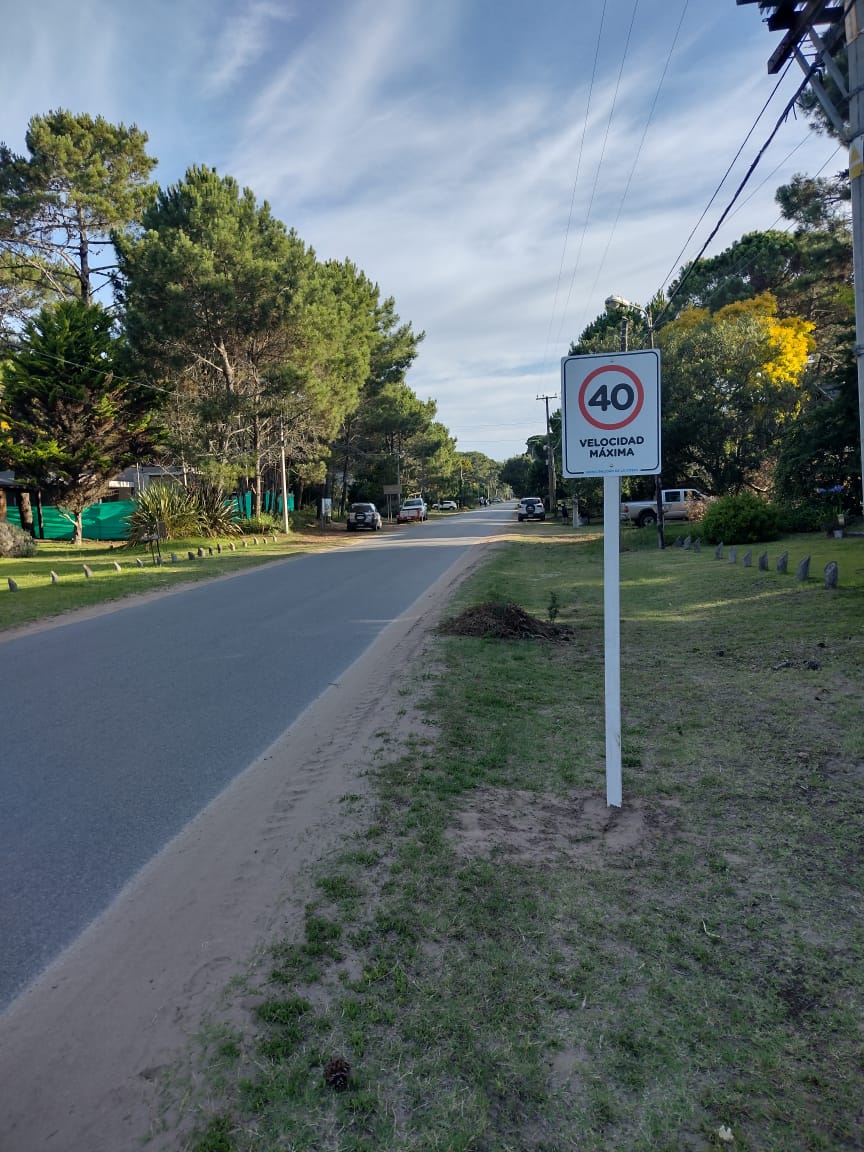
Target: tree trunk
40,519
25,508
78,529
83,257
2,504
343,501
259,465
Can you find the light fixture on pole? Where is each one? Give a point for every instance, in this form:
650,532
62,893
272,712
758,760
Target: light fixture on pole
620,304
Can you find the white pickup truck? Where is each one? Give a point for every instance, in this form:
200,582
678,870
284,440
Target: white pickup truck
676,506
413,509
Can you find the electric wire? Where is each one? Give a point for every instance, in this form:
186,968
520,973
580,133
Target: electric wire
790,224
598,170
773,172
575,184
716,191
638,153
690,268
131,380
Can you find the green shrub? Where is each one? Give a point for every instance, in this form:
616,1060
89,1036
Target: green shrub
263,525
14,542
799,516
741,519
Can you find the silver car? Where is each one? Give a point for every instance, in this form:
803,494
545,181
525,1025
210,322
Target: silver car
363,516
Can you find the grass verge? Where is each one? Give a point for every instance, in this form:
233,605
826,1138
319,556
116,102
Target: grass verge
504,964
38,598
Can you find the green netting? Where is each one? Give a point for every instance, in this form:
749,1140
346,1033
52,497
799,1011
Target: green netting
110,521
99,521
273,506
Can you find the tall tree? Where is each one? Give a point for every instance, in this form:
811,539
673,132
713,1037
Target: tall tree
214,290
480,473
434,449
517,473
731,386
331,366
68,421
82,179
758,262
393,351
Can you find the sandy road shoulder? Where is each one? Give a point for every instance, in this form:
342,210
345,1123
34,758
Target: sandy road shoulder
79,1050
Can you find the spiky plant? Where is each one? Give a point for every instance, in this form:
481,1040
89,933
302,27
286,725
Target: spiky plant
215,510
165,503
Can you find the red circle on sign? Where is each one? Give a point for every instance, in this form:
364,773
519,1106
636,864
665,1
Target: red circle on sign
637,408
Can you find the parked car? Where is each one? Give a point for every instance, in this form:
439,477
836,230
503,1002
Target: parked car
448,506
530,508
677,503
363,516
414,509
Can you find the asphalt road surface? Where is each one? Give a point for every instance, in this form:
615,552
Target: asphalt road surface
120,728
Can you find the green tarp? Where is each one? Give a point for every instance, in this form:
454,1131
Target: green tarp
110,521
99,521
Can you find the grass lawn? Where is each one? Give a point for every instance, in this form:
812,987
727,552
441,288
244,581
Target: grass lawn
505,964
38,598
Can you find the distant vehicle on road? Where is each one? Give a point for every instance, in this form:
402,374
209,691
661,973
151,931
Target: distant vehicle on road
530,508
414,509
363,516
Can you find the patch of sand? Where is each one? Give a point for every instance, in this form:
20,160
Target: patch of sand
536,828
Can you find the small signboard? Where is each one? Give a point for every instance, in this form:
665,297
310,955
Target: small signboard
856,158
610,414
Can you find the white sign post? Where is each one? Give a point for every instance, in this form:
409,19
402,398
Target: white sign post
610,419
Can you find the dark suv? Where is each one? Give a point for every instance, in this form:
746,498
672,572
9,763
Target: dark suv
363,516
531,508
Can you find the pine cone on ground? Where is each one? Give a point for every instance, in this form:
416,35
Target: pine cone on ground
336,1073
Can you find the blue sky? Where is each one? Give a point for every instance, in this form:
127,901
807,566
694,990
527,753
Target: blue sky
500,168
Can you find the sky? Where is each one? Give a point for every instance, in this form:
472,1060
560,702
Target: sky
498,167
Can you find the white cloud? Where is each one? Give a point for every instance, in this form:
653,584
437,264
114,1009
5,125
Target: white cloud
246,36
439,154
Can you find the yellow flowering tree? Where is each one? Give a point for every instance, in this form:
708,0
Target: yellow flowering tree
731,384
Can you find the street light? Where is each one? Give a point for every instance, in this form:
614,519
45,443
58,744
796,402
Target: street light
620,304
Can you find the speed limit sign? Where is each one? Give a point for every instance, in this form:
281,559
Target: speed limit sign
610,410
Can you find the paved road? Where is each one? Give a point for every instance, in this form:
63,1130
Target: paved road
119,729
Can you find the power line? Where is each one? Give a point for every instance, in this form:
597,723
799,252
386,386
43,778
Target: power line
780,121
716,191
575,183
773,172
639,148
599,167
136,383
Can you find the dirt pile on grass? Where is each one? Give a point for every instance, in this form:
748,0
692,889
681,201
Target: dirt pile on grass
503,621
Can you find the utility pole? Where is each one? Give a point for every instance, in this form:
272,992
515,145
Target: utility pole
855,56
285,523
799,18
550,455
